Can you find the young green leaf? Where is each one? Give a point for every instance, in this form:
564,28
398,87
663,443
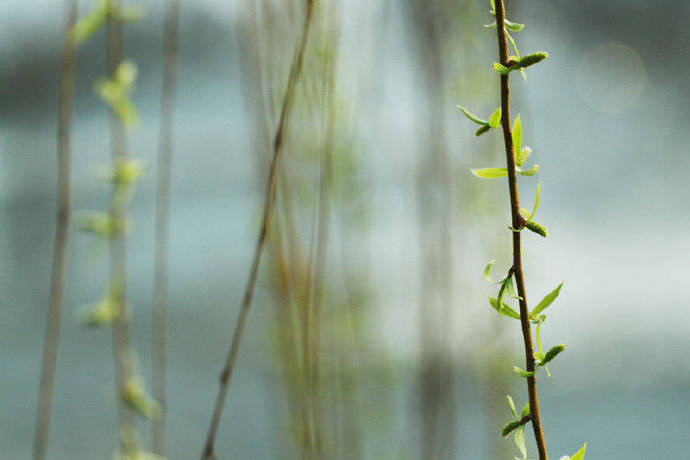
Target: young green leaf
502,290
522,373
500,68
528,172
525,411
90,24
495,118
551,354
536,201
546,301
512,42
116,91
487,272
513,26
472,117
490,173
520,441
510,290
540,354
580,454
537,228
505,309
511,406
517,135
509,427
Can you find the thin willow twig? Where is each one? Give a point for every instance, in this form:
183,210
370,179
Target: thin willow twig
57,281
518,222
122,350
162,230
226,374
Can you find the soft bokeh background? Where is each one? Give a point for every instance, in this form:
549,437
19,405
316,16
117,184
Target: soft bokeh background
417,364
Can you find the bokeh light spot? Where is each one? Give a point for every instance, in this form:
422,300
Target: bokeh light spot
611,77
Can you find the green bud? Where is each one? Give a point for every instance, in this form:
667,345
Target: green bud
536,227
103,225
530,59
482,129
135,396
126,172
522,156
103,313
551,354
509,427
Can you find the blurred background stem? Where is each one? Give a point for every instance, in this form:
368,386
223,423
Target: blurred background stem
51,341
162,225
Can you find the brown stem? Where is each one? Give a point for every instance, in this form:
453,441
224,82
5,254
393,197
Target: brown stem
226,374
57,281
517,257
160,302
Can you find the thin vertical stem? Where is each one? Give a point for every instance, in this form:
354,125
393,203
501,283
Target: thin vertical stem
226,374
122,353
57,281
160,301
517,224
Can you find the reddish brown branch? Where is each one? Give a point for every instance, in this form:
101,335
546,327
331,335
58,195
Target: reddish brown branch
517,223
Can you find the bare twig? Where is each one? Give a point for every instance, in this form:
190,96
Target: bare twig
517,223
57,281
160,302
208,451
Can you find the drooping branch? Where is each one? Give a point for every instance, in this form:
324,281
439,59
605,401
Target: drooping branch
160,299
518,223
226,374
122,343
57,281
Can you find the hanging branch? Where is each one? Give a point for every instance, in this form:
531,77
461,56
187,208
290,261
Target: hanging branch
208,450
160,302
518,222
57,281
516,156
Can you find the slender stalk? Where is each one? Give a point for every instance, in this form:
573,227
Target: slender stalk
226,374
518,222
122,350
57,281
160,300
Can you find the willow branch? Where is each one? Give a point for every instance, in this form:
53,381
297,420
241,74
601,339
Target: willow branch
122,353
162,231
517,224
57,281
226,374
